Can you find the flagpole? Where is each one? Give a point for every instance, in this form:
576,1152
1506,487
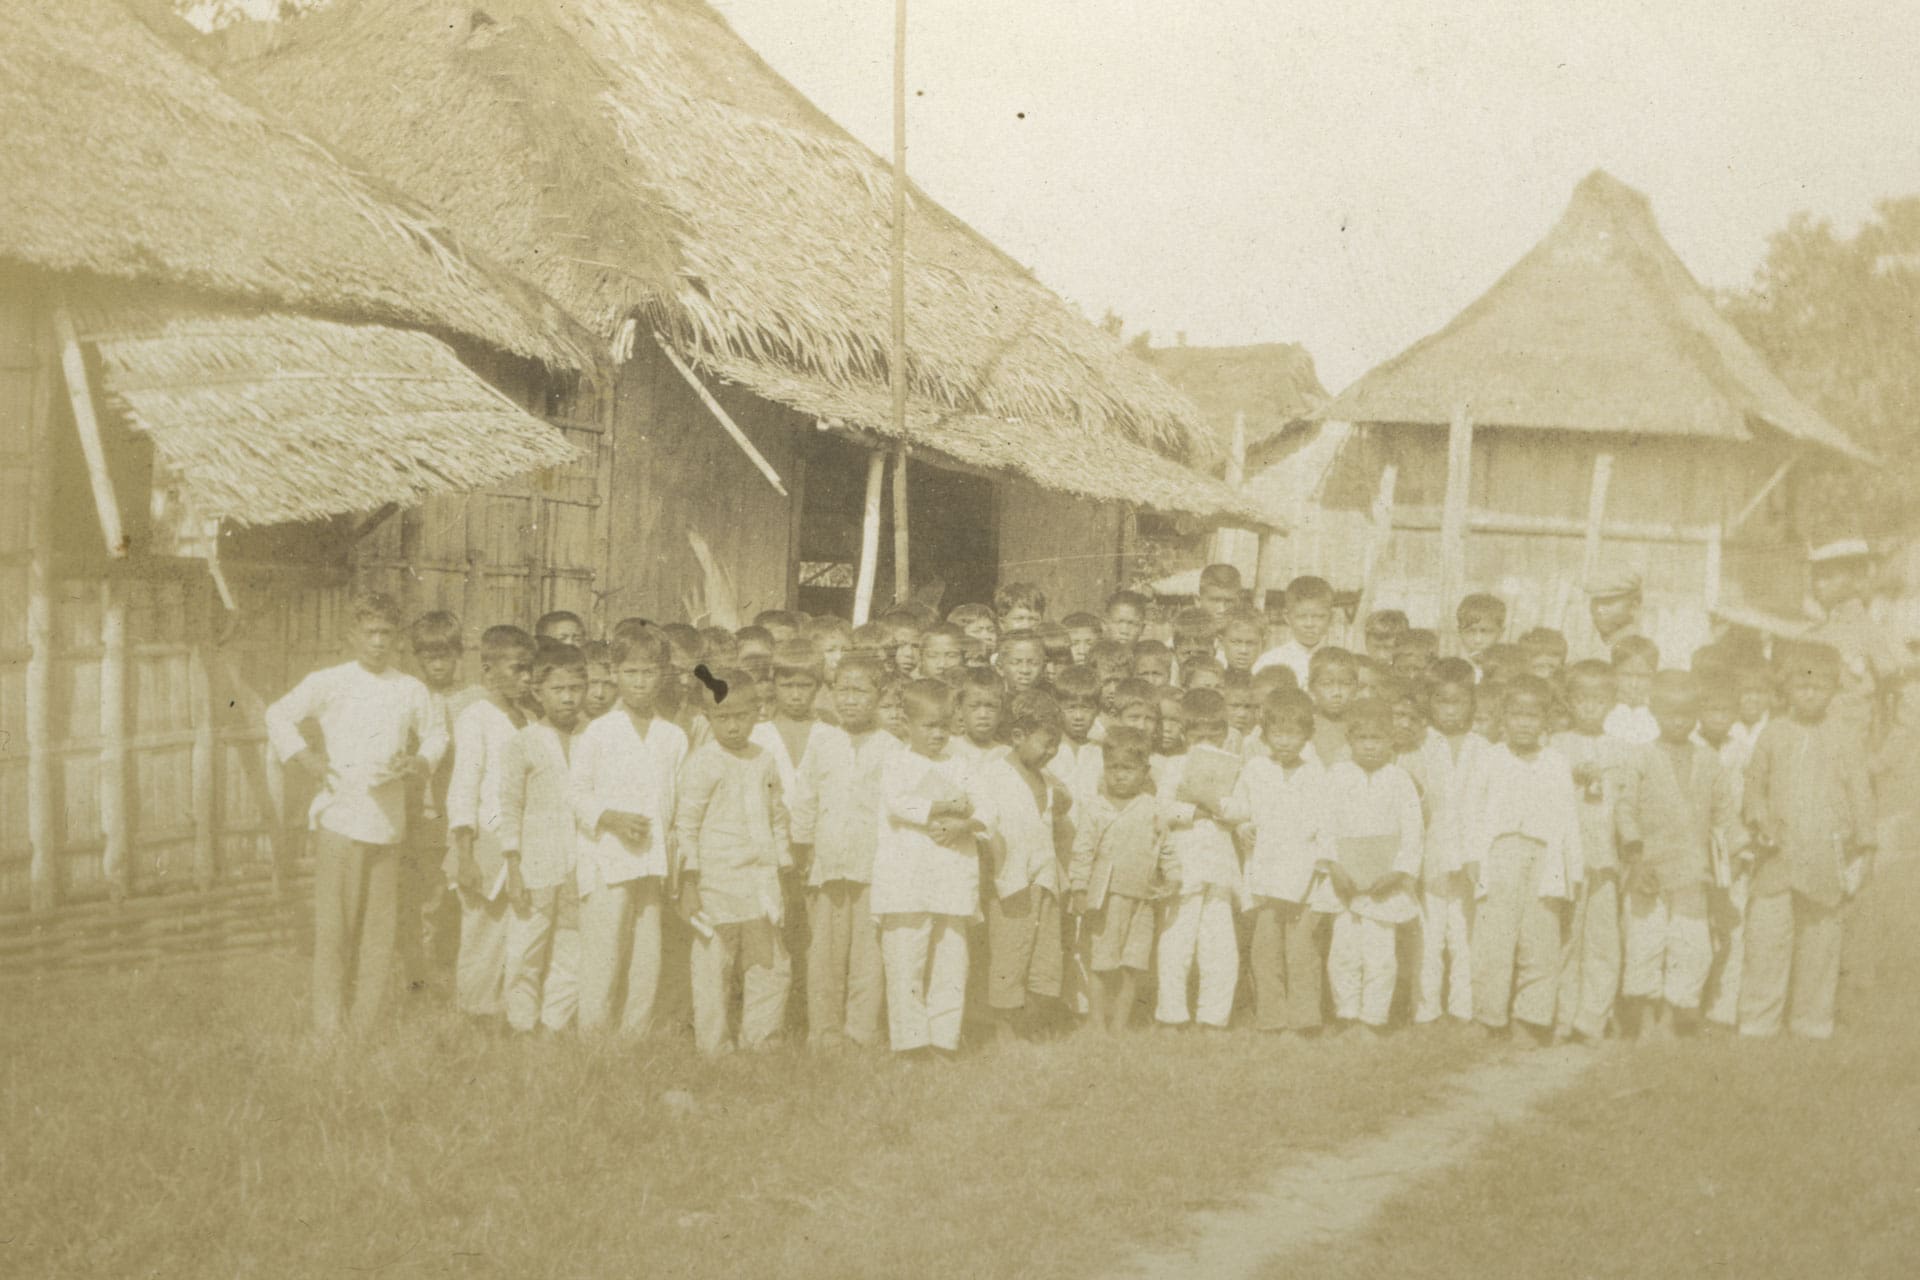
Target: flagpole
897,359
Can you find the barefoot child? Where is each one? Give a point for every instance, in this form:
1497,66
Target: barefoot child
1375,821
1021,808
1197,934
1121,866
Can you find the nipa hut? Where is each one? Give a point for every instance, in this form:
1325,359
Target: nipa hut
220,350
1590,410
731,245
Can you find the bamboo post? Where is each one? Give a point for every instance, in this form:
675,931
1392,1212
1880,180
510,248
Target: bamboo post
1596,515
1453,515
113,734
1753,503
1227,541
1377,539
200,694
869,540
73,363
720,414
902,579
43,871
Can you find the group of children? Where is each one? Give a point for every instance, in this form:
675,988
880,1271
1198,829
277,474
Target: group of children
1036,823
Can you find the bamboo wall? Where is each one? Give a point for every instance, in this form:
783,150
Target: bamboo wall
1069,547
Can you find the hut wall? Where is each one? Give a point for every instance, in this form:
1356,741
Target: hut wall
1656,481
1069,547
18,356
675,471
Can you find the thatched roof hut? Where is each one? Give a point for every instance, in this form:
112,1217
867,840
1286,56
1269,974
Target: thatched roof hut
1268,385
641,163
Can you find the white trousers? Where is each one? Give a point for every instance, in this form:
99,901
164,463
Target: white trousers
1445,979
1197,931
620,956
480,971
543,967
1590,963
1516,938
1362,968
925,960
758,950
1668,946
1792,967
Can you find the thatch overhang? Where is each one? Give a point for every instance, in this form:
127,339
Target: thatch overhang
1272,384
639,160
125,160
1600,327
269,417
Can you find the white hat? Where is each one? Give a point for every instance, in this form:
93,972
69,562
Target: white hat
1840,549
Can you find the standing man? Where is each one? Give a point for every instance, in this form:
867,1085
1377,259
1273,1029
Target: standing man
1613,603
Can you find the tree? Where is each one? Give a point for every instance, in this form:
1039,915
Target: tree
1839,321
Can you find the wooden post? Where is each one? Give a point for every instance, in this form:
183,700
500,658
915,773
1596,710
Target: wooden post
1377,539
869,540
200,697
902,579
1228,541
113,733
796,516
43,870
1753,503
87,425
1713,567
1453,515
1596,515
720,414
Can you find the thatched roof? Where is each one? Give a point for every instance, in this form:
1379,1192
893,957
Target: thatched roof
636,157
260,418
1272,383
123,159
1598,328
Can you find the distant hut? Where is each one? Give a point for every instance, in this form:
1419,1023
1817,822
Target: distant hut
730,243
1590,410
220,350
1249,396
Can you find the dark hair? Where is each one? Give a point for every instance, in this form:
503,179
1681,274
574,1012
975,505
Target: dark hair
1019,595
875,669
1191,621
1387,620
1055,640
1011,638
1242,615
1150,649
1077,683
1220,575
550,656
597,651
797,657
1457,671
770,618
1125,745
1544,642
945,631
1194,666
1033,709
874,638
1277,676
1501,660
364,605
643,641
1530,686
926,695
1082,621
1203,704
1288,706
1134,690
1674,683
737,681
717,640
685,638
1419,638
1330,656
1636,647
1590,671
1481,607
985,678
1108,650
1309,590
1370,713
504,642
548,621
1131,599
436,632
963,614
754,635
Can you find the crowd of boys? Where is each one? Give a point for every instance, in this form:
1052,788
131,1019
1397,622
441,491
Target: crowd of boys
1003,819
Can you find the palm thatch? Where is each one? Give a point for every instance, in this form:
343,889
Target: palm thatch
260,418
1272,383
1598,328
125,160
638,157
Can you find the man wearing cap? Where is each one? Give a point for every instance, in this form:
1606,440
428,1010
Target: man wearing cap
1613,602
1840,574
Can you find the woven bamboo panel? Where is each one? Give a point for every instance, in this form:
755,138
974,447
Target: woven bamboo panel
158,929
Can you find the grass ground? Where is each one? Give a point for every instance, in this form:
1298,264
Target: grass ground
182,1124
1710,1158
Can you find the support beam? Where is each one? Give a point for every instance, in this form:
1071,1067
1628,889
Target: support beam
902,577
1596,516
1453,515
720,415
869,541
113,735
1754,503
1714,545
43,869
73,363
200,694
1377,538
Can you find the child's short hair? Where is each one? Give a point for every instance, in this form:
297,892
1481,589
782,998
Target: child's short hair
770,618
1025,636
550,655
1369,715
1107,651
686,639
1394,690
1526,685
1673,683
872,638
1077,685
1636,649
1191,622
1150,649
1330,657
1203,704
1423,640
1289,707
981,680
1278,676
504,642
926,697
752,635
1244,615
1481,607
1754,673
1194,666
945,631
1451,671
1710,659
911,613
1081,621
717,644
965,615
1589,672
597,653
1033,710
1020,595
1308,589
1233,678
436,633
366,605
643,641
866,664
738,682
544,625
1544,642
1125,745
1132,693
1718,689
820,627
1058,643
1503,660
796,657
1387,622
1223,577
1128,599
630,627
1811,660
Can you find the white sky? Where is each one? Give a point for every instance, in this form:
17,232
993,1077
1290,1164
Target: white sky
1349,173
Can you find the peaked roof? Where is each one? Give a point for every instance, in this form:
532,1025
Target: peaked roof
1272,383
1598,328
637,159
125,160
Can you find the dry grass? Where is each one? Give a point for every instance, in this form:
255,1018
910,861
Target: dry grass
181,1124
1709,1158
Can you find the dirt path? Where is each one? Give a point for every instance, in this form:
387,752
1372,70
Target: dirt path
1316,1201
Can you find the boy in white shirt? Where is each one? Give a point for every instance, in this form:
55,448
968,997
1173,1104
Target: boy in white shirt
369,716
787,737
487,884
1197,928
623,785
981,700
1635,660
731,831
1590,966
1443,767
1309,616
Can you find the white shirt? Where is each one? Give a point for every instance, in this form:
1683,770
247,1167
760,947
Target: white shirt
911,872
767,734
1444,780
366,719
480,738
1289,653
1633,725
1384,802
1019,831
616,767
1290,832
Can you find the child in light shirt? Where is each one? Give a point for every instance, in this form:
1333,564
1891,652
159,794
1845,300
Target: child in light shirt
1635,659
1677,812
1153,662
978,710
835,816
1022,661
1020,606
1309,617
981,626
926,876
731,833
1083,629
487,884
1382,633
1077,763
379,728
1242,638
1444,767
1590,963
1203,673
622,782
942,649
602,692
1243,709
1197,936
1265,684
537,839
787,737
1415,653
1480,620
1126,620
1373,816
1121,867
1333,684
1112,661
1193,639
1022,810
